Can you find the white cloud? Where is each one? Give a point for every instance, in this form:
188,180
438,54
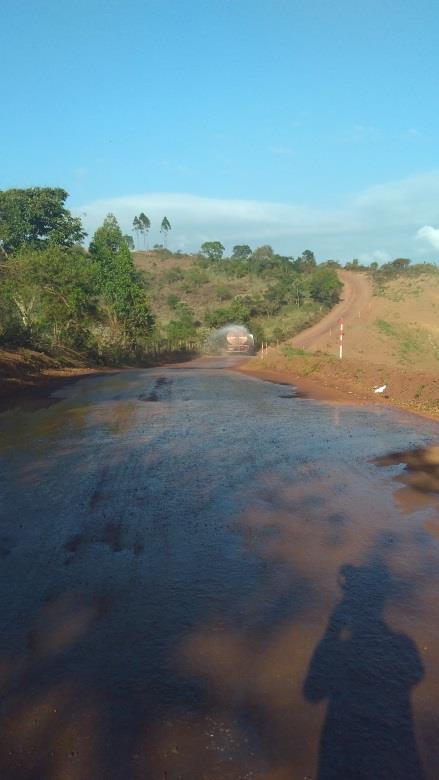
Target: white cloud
378,255
429,234
381,222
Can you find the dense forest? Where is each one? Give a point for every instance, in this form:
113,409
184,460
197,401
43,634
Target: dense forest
109,303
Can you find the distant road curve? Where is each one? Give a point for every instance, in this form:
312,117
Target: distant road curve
355,298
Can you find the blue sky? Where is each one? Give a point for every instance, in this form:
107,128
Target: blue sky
310,124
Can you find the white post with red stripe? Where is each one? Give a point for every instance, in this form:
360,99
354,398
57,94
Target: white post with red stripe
341,338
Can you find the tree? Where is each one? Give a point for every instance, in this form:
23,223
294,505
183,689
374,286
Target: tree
306,262
137,227
325,286
54,295
330,264
129,241
401,263
241,252
353,265
120,284
263,252
36,218
145,226
213,250
164,229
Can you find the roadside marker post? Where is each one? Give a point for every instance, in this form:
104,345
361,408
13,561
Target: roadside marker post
341,338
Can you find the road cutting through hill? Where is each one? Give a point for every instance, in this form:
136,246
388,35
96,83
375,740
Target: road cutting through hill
355,298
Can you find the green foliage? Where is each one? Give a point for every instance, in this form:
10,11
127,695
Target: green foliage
290,288
354,265
325,286
306,263
129,241
386,328
184,328
36,218
172,275
213,250
136,226
241,252
234,269
258,331
266,264
201,262
145,222
164,229
223,293
263,252
401,267
289,351
120,284
173,301
52,297
195,277
330,264
406,340
401,263
238,312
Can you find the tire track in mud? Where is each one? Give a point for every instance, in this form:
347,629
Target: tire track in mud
113,508
161,391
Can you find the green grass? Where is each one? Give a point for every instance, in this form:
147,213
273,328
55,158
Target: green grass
291,352
386,328
408,341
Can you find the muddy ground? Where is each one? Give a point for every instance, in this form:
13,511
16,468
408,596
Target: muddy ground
323,377
206,576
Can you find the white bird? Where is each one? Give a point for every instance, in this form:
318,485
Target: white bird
379,389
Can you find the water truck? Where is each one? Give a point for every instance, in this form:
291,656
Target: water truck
239,340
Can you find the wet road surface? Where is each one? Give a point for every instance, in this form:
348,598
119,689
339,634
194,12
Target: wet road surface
203,576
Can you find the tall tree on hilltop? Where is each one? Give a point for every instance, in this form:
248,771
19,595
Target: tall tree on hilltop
165,228
306,262
213,250
241,252
136,227
146,224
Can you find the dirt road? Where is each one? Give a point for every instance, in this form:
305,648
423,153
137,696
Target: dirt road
355,298
203,576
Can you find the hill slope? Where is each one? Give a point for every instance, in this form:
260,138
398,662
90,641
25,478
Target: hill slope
268,294
397,325
391,338
355,299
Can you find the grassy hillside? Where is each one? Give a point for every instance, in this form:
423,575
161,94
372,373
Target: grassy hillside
273,302
393,340
400,325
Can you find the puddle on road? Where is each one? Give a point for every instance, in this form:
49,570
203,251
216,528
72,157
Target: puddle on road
419,480
256,597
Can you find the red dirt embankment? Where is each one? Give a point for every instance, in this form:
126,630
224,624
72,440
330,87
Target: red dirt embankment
26,371
326,378
400,360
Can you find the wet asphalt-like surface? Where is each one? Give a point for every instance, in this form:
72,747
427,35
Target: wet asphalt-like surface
203,576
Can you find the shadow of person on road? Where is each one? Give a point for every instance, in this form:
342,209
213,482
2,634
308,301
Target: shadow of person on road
365,671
